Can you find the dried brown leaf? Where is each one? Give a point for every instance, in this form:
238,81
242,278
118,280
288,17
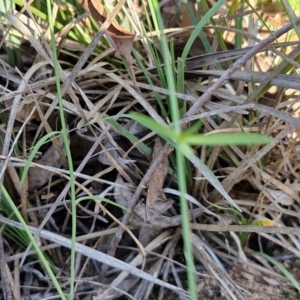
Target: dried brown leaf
121,36
157,179
146,235
156,219
38,177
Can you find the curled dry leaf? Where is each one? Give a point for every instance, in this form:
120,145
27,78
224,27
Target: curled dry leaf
26,109
123,196
157,179
38,177
154,217
146,235
121,36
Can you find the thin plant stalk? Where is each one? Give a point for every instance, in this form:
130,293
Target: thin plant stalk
180,163
64,132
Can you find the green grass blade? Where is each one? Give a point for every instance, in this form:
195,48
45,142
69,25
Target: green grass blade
100,199
282,269
199,28
225,139
67,149
202,36
175,115
132,138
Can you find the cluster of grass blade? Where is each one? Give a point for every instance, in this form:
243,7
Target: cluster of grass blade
221,165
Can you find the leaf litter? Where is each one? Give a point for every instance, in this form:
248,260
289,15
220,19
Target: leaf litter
145,240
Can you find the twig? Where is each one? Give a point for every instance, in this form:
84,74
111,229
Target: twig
245,228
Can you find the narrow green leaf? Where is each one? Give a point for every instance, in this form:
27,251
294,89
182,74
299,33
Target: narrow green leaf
283,270
148,122
199,28
225,139
98,198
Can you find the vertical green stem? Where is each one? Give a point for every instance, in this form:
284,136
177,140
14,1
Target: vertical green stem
179,157
67,148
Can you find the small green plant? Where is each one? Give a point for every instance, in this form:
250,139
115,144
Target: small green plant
183,141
